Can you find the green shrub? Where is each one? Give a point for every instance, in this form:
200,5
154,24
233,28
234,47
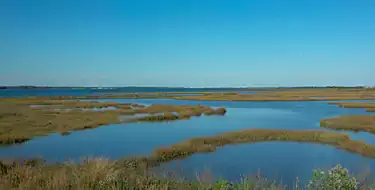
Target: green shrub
337,178
221,184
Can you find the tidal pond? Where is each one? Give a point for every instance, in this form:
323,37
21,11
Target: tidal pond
286,159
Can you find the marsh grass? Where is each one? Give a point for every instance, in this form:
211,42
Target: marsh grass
356,123
218,111
130,173
368,105
153,118
209,144
172,113
104,174
19,122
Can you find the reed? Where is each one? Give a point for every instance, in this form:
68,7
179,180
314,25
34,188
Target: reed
104,174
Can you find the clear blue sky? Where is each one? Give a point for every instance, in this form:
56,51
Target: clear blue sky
187,43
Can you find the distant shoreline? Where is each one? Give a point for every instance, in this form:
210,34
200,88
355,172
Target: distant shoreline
24,87
164,87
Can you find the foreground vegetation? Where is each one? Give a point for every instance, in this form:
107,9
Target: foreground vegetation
103,174
24,118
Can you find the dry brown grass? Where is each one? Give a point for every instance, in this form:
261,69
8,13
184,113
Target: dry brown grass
96,174
172,113
218,111
158,108
369,105
19,122
356,123
103,174
185,114
154,118
45,103
209,144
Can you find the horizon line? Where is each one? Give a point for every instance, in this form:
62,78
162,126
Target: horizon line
162,86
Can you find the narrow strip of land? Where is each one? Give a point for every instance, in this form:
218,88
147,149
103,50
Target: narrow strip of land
209,144
309,94
367,105
365,123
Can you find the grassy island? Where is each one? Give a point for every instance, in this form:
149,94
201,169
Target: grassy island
24,118
209,144
369,106
355,123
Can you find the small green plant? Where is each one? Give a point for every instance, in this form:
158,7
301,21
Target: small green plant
337,178
221,184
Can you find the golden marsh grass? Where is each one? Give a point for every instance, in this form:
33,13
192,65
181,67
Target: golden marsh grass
209,144
369,106
365,123
19,122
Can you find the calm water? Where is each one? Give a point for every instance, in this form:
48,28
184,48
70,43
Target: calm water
284,159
